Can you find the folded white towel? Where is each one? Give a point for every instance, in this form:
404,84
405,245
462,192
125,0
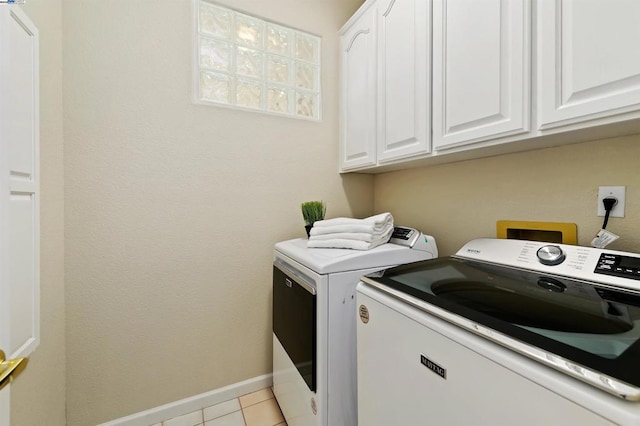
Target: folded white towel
377,221
339,240
344,229
356,236
346,244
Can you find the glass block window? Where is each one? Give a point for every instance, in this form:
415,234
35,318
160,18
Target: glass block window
247,62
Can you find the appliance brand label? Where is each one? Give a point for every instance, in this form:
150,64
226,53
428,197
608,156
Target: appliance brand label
442,372
474,251
364,314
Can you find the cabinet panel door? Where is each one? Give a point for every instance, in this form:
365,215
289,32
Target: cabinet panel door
404,78
481,77
358,49
588,62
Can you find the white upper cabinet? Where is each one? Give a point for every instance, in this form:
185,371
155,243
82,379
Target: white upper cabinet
358,91
434,81
386,78
404,75
481,70
588,60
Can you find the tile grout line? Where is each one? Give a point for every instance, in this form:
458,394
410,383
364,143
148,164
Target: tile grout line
244,419
256,403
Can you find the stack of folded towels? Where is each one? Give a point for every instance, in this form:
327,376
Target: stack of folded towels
357,234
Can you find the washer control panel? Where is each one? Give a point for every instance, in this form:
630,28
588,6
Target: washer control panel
404,236
610,267
618,266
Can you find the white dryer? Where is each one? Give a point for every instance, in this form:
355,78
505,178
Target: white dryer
314,327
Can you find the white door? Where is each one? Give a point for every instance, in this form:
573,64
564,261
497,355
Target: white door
481,70
588,62
404,79
358,115
19,191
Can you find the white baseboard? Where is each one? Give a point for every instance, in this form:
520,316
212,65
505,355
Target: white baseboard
194,403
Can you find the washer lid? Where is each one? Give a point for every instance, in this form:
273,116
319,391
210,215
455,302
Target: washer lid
327,261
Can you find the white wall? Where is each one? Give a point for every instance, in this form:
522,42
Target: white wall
38,395
172,208
461,201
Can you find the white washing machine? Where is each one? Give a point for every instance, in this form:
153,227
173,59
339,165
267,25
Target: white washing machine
505,332
314,323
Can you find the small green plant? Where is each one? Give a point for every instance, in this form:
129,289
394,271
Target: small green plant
313,211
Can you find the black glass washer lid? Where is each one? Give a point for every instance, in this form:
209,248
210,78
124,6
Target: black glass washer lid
515,308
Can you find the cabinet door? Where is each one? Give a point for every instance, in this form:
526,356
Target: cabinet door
588,62
481,77
404,78
358,115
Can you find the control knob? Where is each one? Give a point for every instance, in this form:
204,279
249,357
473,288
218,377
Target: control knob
550,255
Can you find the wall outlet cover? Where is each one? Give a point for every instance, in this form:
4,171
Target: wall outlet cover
612,191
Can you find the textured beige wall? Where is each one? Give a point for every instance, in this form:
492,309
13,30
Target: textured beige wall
38,396
461,201
172,208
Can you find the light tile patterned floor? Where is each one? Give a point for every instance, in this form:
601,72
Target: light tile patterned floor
255,409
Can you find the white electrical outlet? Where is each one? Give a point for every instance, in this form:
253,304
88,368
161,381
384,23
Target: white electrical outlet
617,192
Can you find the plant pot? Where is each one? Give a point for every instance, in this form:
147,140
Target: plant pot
308,228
